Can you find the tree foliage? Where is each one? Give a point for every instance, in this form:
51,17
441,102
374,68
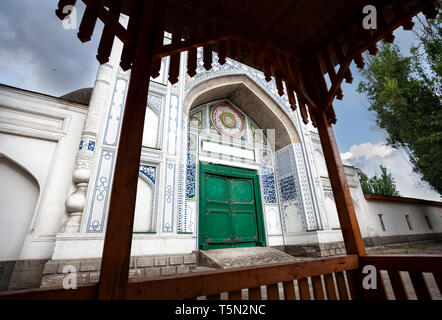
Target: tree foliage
384,185
405,96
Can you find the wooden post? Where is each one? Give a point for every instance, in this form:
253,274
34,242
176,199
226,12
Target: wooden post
344,204
118,239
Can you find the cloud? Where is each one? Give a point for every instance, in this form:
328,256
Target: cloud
38,54
368,157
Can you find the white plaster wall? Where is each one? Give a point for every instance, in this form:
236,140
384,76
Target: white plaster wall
19,193
393,212
394,218
41,134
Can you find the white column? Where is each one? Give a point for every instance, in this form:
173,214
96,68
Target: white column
75,202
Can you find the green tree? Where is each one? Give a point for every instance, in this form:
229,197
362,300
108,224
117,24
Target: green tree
365,182
384,185
405,97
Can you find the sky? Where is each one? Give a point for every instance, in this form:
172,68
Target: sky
38,54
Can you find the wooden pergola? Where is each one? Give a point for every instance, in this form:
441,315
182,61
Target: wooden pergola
298,43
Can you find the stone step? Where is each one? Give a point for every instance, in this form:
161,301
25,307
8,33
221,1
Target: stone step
243,257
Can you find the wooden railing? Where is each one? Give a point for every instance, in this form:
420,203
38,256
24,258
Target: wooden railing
405,277
273,282
327,278
294,280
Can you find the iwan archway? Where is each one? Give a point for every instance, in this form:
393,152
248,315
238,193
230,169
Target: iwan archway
235,130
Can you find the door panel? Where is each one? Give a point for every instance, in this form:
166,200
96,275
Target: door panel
242,191
244,225
216,190
218,225
230,208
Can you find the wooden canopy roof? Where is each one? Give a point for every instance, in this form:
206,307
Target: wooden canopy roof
296,42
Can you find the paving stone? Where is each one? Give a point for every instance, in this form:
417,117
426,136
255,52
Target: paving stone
50,267
55,280
152,271
90,265
82,278
160,261
325,253
182,269
168,270
176,260
94,277
190,259
133,273
74,264
144,262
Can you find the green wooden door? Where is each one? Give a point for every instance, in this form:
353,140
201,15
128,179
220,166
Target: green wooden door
230,208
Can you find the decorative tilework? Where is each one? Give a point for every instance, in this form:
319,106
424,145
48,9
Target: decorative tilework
265,157
101,192
190,176
173,125
91,145
192,142
196,120
169,196
287,186
305,189
328,193
115,113
155,102
257,135
268,185
227,121
148,173
87,145
234,67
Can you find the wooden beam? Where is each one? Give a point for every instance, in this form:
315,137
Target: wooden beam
107,19
336,84
169,49
117,244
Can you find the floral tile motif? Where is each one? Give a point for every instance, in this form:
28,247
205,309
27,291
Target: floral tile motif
257,135
148,173
266,157
196,120
192,142
227,121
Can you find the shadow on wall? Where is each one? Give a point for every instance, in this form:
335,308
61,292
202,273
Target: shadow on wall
19,192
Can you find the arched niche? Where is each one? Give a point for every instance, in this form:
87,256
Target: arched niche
144,209
19,192
251,99
151,132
